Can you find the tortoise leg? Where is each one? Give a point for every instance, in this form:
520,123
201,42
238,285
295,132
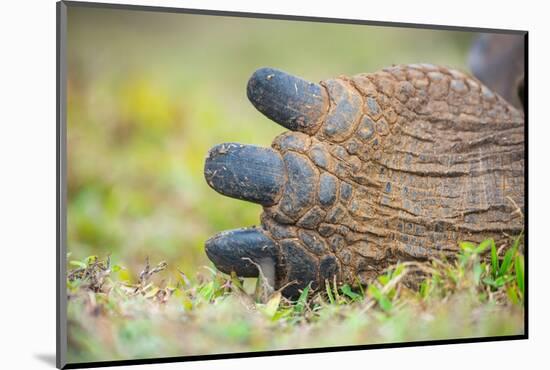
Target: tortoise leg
378,168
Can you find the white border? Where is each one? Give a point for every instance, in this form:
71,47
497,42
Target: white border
27,203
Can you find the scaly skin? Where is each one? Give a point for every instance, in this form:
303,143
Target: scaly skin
395,165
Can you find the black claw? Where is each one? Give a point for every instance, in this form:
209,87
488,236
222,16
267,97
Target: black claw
245,172
230,250
288,100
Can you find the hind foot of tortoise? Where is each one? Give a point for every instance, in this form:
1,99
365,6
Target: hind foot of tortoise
377,168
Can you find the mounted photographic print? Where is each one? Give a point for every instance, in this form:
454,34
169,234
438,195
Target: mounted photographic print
235,184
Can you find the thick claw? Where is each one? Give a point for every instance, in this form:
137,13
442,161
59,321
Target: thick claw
245,172
290,101
234,250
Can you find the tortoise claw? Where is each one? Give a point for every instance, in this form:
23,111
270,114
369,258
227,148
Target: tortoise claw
288,100
245,172
233,250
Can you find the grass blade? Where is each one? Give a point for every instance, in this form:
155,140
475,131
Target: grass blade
494,259
467,246
329,292
301,303
520,279
78,264
484,245
507,261
346,289
272,305
381,298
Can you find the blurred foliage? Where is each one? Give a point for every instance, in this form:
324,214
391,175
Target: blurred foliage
150,93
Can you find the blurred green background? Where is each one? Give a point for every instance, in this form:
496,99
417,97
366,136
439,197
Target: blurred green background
149,93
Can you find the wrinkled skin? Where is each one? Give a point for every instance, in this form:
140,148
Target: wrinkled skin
378,168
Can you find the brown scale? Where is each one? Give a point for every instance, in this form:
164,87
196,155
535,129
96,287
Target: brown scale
400,164
430,173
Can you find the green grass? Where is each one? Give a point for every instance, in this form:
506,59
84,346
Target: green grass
113,315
